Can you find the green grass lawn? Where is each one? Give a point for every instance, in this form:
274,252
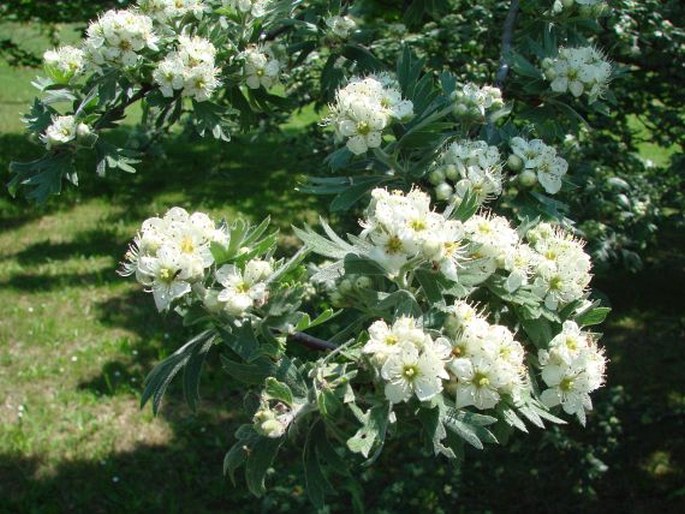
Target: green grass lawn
76,342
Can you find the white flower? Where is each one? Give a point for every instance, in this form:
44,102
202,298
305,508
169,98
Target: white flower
485,360
167,10
341,26
573,367
64,63
256,8
189,69
118,37
261,68
409,373
384,340
364,108
578,70
472,166
162,274
543,160
62,131
562,270
243,289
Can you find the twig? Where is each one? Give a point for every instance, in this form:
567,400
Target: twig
313,343
119,111
507,36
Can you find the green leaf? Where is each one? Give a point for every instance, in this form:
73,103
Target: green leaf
110,156
358,188
212,118
430,285
372,432
359,265
42,177
242,341
261,456
315,480
276,390
192,371
593,316
539,331
161,376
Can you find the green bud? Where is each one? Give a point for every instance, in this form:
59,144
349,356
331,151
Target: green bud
527,178
436,177
451,172
514,162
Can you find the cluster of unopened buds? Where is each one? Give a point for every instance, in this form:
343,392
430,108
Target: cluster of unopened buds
474,102
468,166
65,130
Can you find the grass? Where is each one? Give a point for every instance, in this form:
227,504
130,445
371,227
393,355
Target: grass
76,341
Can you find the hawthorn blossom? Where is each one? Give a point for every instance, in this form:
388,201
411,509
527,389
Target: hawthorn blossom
243,289
572,367
118,38
341,26
475,102
364,108
167,10
261,68
64,63
60,132
581,70
542,160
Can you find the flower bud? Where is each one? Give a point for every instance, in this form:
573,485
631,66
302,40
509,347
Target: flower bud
363,283
567,3
85,135
272,428
514,162
527,178
436,177
443,191
345,286
451,172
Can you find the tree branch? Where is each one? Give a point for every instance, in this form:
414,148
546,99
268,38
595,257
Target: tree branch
313,343
507,36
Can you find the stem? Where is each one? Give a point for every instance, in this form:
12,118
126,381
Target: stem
313,343
507,35
119,111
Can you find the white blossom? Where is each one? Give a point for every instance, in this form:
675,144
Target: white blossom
61,131
64,63
475,102
256,8
364,108
118,38
189,69
243,289
581,70
167,10
341,26
543,160
261,68
572,367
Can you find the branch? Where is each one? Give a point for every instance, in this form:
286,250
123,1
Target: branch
313,343
507,35
119,111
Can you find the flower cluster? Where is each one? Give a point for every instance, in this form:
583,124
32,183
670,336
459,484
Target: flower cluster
172,253
261,68
341,26
117,38
586,7
364,108
172,256
166,10
578,70
189,69
486,362
562,268
538,163
64,63
410,362
255,8
491,243
572,367
401,227
468,166
472,101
